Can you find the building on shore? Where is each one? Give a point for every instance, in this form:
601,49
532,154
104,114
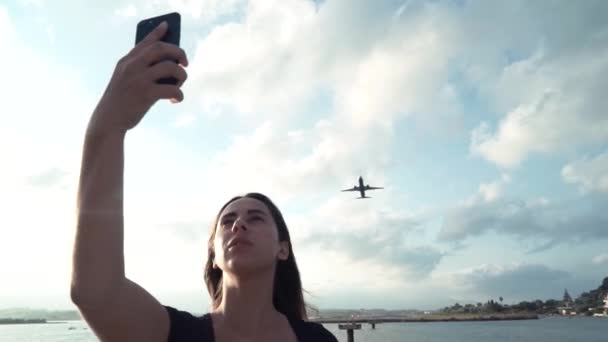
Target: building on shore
564,311
602,311
567,300
567,308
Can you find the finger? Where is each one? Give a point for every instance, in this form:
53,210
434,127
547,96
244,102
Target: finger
155,35
158,51
167,69
167,91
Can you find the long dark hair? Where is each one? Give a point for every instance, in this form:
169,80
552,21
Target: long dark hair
287,296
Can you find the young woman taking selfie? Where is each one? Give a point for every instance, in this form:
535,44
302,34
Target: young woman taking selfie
251,272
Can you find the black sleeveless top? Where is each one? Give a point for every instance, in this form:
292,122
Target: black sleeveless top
185,327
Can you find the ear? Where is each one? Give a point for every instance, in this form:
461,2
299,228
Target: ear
283,250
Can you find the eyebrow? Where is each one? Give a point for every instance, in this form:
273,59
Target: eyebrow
249,212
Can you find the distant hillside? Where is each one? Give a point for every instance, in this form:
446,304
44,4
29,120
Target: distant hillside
593,298
49,315
586,304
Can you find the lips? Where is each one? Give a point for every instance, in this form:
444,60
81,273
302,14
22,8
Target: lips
239,241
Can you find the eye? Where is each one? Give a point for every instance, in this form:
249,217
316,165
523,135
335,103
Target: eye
256,218
228,221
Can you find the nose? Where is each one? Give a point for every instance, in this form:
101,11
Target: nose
238,223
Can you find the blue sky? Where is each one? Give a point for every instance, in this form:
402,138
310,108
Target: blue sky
484,120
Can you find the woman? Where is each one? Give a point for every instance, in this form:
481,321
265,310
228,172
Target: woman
251,272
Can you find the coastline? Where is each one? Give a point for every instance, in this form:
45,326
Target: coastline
19,321
10,321
430,319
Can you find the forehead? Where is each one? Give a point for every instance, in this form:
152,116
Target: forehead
241,206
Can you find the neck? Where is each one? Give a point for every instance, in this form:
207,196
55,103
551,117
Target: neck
247,303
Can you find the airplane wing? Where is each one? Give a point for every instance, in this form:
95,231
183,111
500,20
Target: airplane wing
373,187
354,188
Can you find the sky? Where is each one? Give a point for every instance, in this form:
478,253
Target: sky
485,121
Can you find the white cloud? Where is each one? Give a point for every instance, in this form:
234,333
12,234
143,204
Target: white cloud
258,64
539,223
297,164
388,66
341,271
43,112
7,31
397,78
552,121
206,10
127,11
50,32
185,120
591,174
34,3
600,259
552,97
490,192
195,13
540,202
285,52
360,234
49,178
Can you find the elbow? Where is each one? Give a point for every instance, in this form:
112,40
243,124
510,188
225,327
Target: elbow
77,295
92,296
81,297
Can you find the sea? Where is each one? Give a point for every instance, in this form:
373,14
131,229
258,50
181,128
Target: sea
552,329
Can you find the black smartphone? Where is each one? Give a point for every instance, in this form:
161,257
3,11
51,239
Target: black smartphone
172,36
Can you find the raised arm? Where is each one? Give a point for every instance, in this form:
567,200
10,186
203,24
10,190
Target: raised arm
116,308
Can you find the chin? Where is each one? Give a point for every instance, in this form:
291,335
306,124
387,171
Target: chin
246,266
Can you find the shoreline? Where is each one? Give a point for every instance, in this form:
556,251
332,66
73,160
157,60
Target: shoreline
19,321
427,319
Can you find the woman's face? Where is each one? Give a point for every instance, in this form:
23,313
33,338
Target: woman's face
246,238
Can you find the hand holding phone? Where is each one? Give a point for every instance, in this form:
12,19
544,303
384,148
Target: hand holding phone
134,86
171,36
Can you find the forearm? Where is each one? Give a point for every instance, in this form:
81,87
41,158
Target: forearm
98,260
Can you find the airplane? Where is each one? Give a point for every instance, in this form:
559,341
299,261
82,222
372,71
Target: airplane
362,188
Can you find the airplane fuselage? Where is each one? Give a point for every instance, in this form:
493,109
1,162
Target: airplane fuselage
361,187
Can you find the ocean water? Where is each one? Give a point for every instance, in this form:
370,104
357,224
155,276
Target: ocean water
557,329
